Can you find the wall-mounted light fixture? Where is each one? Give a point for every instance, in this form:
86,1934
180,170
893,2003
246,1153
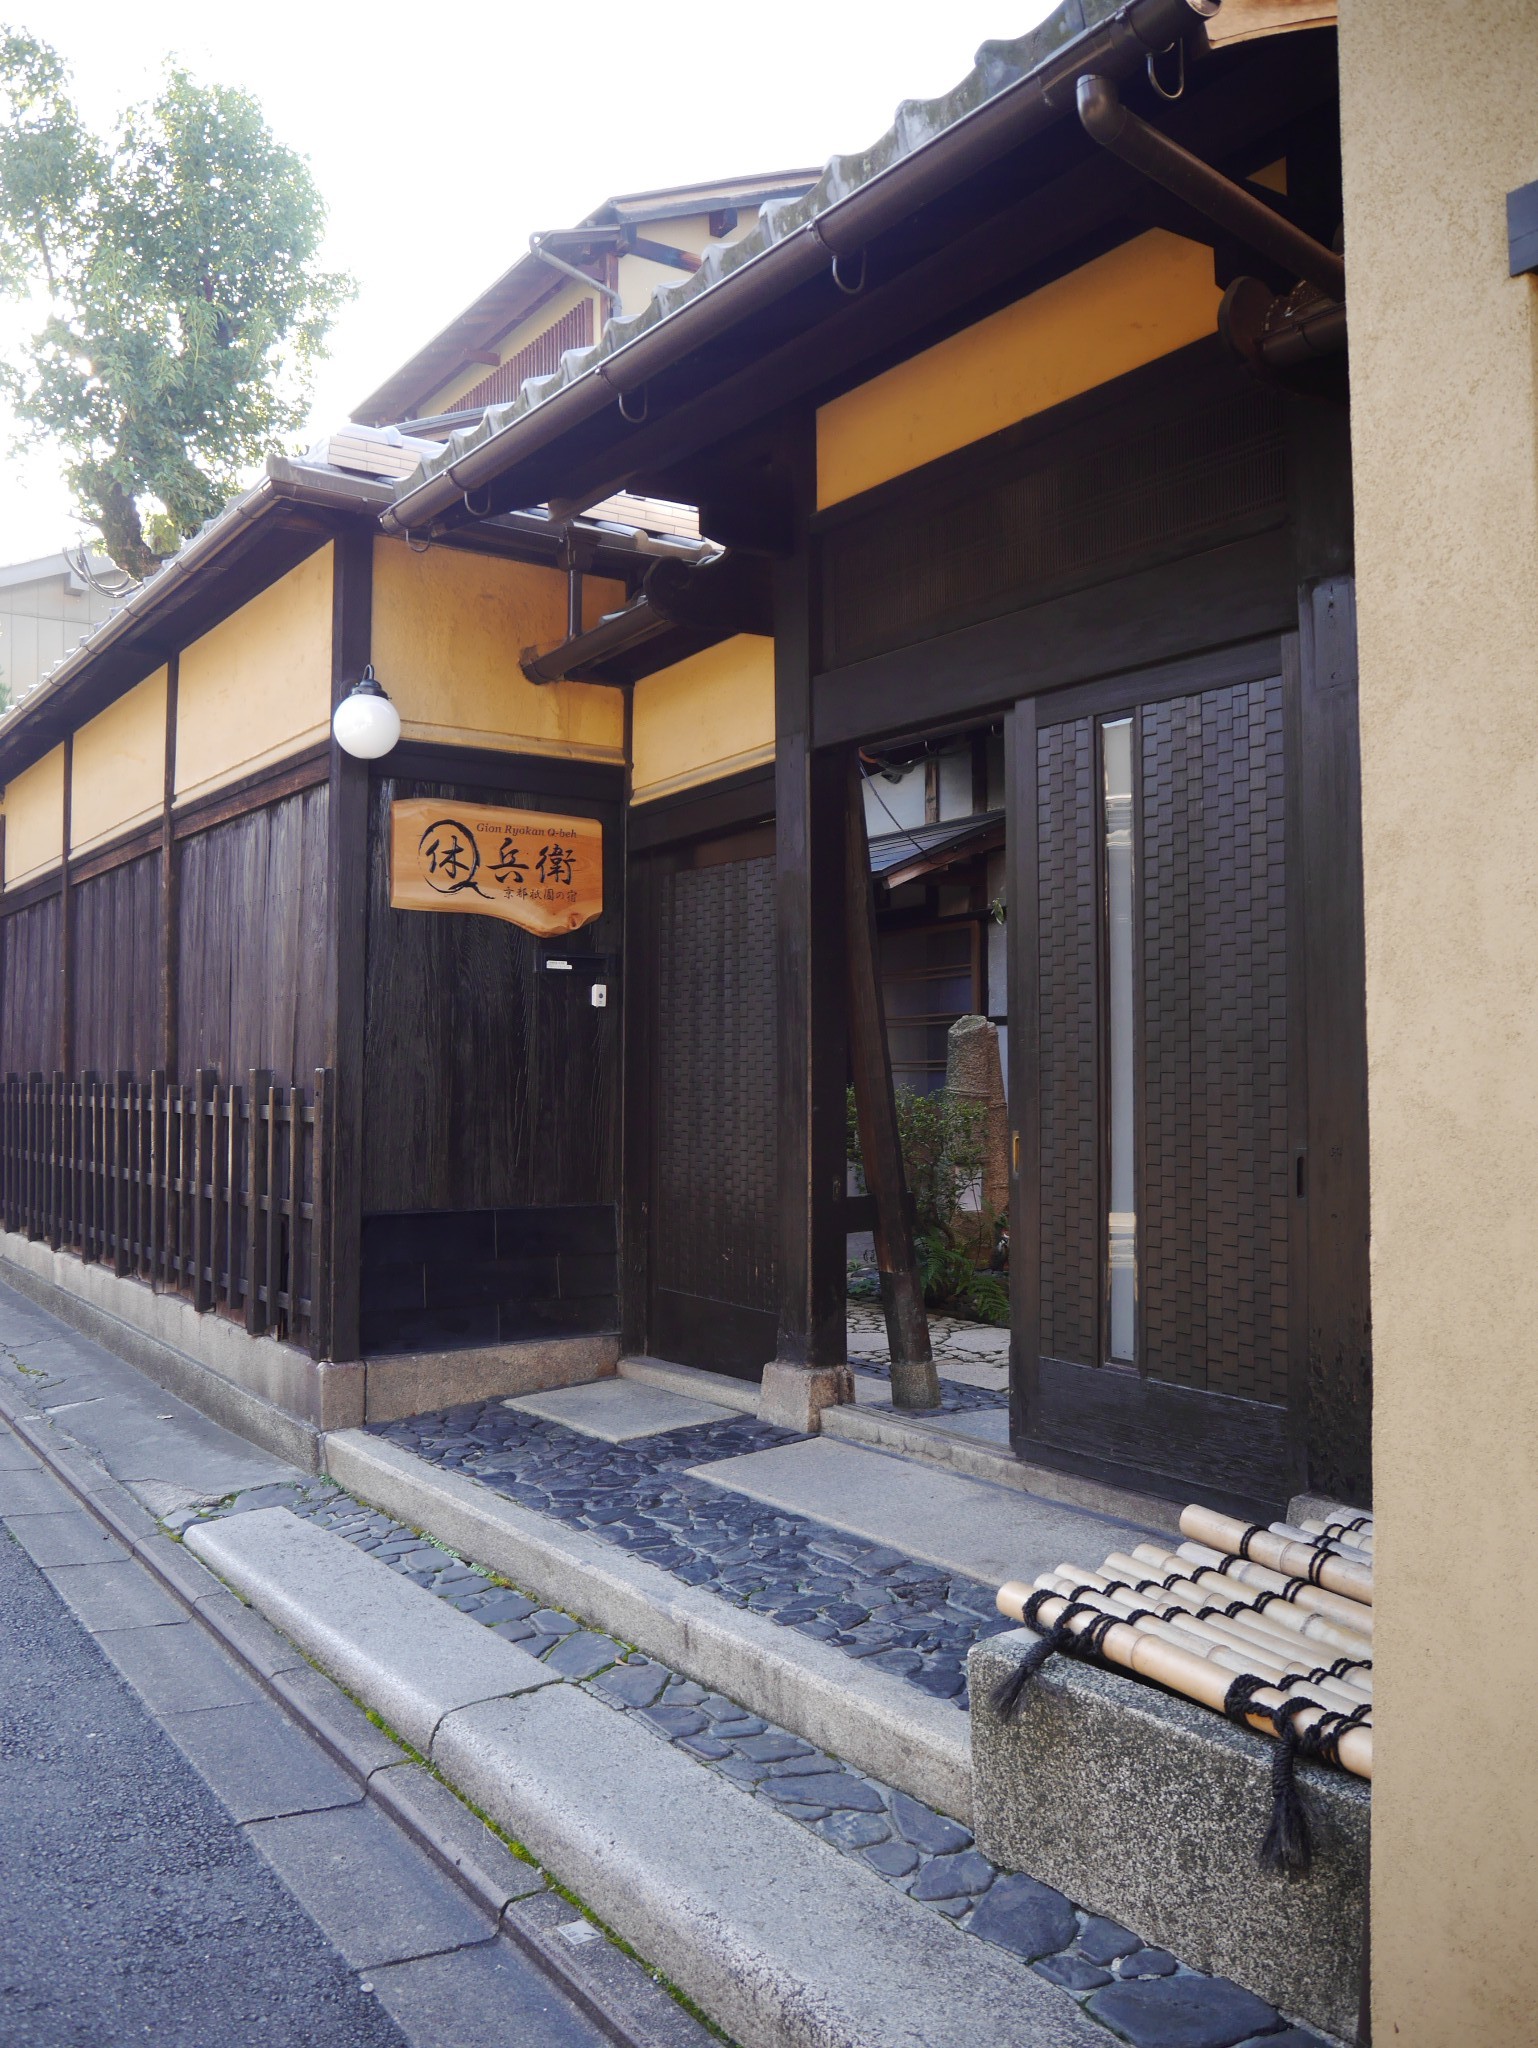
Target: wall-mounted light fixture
366,723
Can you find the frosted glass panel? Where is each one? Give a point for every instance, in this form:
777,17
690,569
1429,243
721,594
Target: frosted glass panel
1121,1230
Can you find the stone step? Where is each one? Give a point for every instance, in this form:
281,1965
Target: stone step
990,1533
784,1942
975,1443
693,1383
844,1705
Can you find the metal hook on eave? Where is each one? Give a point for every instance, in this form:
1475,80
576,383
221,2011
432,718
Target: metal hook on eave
1178,46
851,291
485,510
634,419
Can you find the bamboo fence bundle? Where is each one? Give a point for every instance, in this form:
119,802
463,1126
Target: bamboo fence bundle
1344,1612
1160,1567
1297,1560
1234,1618
1336,1545
1238,1622
1207,1638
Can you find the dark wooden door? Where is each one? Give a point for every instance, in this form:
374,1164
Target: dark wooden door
1159,1268
710,1030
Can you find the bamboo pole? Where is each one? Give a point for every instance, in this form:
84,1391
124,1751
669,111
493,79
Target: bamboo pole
1207,1638
1298,1560
1283,1612
1346,1612
1338,1546
1248,1624
1358,1531
1190,1675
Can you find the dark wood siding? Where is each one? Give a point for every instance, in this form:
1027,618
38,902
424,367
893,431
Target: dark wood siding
29,1012
714,1105
117,969
489,1083
253,904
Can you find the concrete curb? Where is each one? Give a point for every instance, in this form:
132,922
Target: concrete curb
870,1719
435,1821
784,1940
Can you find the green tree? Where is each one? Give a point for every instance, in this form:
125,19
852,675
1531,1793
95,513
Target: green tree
183,307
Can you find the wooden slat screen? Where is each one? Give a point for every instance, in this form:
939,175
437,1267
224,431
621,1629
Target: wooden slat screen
211,1190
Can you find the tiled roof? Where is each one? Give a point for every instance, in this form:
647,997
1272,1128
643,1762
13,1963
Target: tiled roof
997,66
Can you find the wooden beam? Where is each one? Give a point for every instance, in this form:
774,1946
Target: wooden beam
170,879
915,1382
809,982
346,937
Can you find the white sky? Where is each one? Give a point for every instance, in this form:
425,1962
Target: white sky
442,136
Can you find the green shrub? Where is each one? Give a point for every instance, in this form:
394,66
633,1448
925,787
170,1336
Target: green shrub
942,1146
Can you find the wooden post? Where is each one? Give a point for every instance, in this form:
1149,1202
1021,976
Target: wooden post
170,881
320,1219
292,1268
120,1158
232,1238
346,946
154,1173
1021,889
202,1293
53,1227
67,919
810,1370
258,1218
915,1382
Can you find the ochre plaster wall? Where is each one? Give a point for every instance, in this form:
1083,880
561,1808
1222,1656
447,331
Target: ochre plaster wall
120,766
1440,120
1129,307
34,819
708,716
449,628
258,686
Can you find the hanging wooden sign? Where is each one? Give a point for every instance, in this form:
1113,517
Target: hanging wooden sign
533,868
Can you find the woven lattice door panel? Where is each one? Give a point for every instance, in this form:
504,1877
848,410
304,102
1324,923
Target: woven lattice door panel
713,1225
1217,1160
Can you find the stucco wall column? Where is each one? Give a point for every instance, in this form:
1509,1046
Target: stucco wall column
1440,120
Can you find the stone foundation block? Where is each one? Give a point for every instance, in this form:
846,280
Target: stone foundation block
794,1396
1151,1810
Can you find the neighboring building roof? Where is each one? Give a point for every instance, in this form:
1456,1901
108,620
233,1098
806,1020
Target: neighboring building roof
518,291
44,568
919,123
905,855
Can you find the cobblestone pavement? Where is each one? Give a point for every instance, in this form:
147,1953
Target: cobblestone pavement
1143,1993
915,1620
976,1349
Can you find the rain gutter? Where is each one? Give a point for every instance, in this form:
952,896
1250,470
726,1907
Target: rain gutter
1114,48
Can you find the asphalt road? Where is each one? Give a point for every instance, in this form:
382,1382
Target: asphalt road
133,1908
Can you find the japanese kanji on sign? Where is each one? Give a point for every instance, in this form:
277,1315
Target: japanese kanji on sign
532,868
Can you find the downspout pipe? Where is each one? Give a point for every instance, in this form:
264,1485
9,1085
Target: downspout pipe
1240,213
1116,47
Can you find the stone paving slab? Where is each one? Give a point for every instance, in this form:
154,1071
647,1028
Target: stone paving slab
258,1762
618,1410
177,1668
355,1875
14,1455
67,1536
413,1658
495,1999
114,1596
962,1525
32,1493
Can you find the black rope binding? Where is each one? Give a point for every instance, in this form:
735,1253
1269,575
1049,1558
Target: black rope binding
1060,1637
1287,1849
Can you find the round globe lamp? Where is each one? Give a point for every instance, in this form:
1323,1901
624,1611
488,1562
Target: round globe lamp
366,723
